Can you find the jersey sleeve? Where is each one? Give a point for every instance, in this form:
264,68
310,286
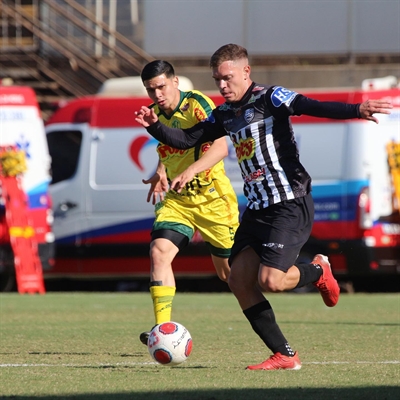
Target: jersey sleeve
205,131
325,109
202,106
279,101
283,103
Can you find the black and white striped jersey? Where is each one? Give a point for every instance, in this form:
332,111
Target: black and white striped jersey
265,146
262,135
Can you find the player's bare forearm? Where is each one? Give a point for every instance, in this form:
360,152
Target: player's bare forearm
179,182
217,152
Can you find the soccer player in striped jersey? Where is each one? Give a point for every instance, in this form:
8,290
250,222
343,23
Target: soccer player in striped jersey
207,203
280,210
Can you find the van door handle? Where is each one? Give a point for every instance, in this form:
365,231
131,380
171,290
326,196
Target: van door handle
63,208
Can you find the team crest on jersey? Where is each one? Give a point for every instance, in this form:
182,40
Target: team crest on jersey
185,107
199,114
249,115
244,149
176,124
280,96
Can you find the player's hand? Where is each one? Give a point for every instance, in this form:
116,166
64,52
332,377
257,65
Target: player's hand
371,107
158,186
146,116
179,182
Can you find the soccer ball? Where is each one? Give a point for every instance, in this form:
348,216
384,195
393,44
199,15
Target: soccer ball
169,343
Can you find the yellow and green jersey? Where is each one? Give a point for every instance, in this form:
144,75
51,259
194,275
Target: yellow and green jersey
193,107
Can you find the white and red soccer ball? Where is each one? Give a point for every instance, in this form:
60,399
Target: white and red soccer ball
169,343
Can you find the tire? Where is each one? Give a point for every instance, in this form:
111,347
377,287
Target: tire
7,270
7,279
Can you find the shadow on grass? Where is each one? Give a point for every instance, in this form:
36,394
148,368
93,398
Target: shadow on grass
340,323
354,393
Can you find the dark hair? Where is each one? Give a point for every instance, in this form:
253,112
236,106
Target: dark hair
157,68
228,52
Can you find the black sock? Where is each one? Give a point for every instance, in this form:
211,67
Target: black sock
262,319
308,273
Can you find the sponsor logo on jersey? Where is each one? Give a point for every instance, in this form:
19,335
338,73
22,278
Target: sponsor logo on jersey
249,115
244,149
185,107
257,88
274,245
204,148
280,96
199,114
166,151
258,176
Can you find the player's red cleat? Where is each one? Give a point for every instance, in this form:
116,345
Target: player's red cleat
326,284
278,361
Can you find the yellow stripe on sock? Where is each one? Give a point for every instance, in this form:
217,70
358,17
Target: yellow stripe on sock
162,302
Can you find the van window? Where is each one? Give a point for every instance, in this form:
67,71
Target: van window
64,148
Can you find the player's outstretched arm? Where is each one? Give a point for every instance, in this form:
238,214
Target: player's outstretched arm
371,107
217,152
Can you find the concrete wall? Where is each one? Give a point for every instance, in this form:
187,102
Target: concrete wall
297,77
198,27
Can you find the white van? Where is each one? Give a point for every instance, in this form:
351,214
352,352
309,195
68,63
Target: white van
102,221
357,217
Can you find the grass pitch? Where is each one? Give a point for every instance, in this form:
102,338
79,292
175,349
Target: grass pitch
85,346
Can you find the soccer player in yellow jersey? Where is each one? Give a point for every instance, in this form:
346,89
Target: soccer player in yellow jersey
207,203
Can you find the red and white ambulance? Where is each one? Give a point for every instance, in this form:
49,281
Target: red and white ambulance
22,129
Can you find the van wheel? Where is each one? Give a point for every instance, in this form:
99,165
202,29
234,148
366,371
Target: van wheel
7,270
7,279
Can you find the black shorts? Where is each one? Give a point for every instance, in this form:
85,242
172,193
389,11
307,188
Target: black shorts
276,233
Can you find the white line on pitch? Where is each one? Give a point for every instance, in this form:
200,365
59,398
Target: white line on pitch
77,365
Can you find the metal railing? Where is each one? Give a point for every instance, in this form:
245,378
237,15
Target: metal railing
65,29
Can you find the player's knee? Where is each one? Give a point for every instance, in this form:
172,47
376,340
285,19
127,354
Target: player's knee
271,285
232,284
236,284
157,253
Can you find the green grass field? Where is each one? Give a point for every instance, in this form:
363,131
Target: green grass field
85,346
